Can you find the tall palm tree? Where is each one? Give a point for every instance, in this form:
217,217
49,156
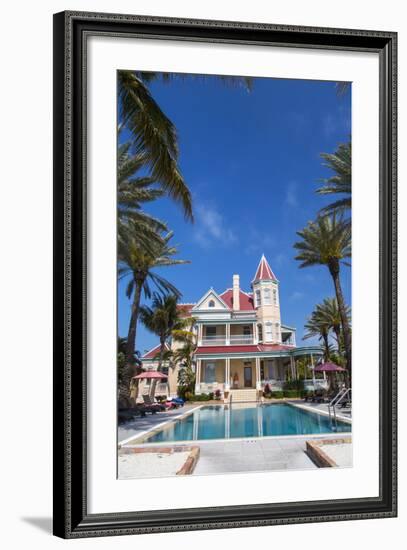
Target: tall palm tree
153,136
163,319
341,182
317,327
327,241
132,192
139,266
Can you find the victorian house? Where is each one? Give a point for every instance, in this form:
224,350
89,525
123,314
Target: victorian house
242,343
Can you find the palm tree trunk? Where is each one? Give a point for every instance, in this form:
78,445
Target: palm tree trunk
129,371
334,270
337,332
326,344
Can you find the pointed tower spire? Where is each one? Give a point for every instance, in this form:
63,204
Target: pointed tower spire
264,272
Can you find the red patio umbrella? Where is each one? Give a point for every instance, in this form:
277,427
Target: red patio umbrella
329,367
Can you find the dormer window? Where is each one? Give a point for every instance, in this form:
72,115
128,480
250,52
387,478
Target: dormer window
257,298
211,303
267,297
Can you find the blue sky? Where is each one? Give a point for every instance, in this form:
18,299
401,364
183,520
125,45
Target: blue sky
252,162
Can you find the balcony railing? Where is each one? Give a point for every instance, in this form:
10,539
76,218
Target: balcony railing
234,340
241,339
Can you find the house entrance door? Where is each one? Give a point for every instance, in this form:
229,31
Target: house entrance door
248,377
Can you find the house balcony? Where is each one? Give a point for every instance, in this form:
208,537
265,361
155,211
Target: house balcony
234,340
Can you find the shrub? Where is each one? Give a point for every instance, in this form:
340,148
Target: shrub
201,397
294,385
292,393
277,394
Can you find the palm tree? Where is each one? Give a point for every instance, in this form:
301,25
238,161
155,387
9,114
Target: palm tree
327,241
132,192
328,312
153,137
341,183
317,327
139,265
163,319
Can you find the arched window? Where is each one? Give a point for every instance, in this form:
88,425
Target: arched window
211,303
267,297
260,333
257,297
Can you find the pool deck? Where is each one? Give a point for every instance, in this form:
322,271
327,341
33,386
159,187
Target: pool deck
236,455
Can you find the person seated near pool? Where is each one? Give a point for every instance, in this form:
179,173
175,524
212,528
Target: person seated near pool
235,380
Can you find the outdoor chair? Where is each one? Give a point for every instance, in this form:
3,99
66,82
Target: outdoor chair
152,403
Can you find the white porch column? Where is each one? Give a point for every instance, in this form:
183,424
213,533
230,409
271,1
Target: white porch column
227,334
200,331
255,333
258,374
227,374
292,366
198,376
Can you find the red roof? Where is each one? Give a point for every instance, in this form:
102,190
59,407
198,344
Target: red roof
264,271
185,309
246,301
203,350
153,352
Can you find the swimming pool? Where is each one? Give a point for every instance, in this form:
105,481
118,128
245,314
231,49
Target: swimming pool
225,422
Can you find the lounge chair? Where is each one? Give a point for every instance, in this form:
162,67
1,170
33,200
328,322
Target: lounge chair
153,403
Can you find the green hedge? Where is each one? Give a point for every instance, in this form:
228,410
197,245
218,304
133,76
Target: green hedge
201,397
286,393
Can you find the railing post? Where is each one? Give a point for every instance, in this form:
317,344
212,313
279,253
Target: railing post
227,334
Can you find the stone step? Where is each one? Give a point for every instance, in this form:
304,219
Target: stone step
239,396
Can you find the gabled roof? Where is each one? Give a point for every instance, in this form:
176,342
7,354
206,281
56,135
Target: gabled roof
153,352
264,272
246,300
216,296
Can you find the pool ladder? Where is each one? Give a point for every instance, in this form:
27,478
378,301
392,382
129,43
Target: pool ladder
337,400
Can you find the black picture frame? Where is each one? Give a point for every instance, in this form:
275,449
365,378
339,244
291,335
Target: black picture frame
71,519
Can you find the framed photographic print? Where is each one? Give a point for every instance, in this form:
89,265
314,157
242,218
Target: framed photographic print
225,274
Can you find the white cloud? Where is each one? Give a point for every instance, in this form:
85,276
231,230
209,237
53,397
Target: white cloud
296,295
291,195
211,227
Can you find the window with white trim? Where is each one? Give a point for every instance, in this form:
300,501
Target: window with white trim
209,373
274,296
210,332
266,296
211,303
260,333
269,331
257,298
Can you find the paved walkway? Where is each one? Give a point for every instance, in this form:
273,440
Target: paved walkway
253,456
341,414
